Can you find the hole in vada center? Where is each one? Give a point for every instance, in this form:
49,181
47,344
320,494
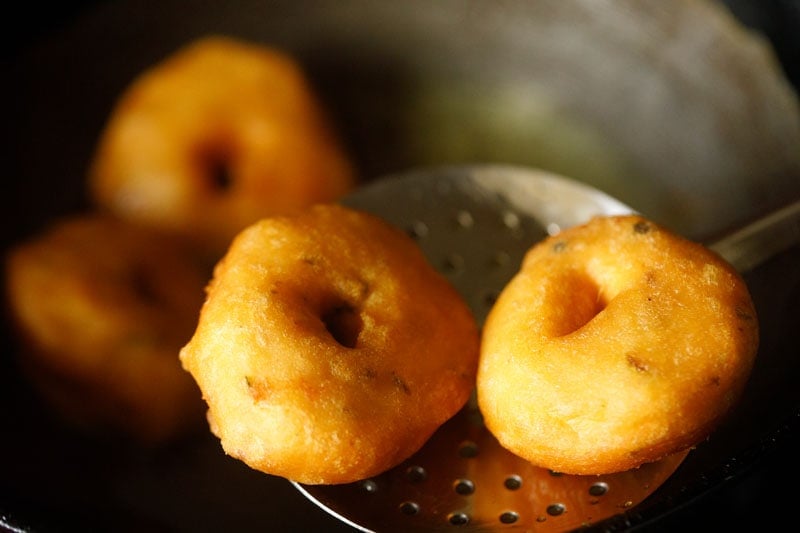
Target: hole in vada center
214,161
142,283
577,300
343,323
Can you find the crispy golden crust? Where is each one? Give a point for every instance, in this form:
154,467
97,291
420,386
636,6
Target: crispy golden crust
328,349
103,309
616,344
213,138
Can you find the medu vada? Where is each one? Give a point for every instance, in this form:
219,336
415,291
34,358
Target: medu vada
214,137
328,349
102,309
616,344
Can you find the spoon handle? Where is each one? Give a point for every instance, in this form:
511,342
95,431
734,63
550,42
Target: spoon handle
760,240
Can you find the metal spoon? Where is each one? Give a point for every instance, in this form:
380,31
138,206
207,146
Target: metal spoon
475,223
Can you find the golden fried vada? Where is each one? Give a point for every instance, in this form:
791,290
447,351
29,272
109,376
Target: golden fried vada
616,344
213,138
328,349
102,309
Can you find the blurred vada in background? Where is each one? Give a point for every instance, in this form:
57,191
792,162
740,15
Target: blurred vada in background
101,308
213,138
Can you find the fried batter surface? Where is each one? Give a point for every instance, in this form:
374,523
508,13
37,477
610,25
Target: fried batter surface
616,344
328,349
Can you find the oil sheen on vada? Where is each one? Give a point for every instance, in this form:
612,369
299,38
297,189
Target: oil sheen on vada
616,344
328,349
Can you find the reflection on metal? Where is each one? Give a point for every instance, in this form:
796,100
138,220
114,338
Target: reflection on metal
463,477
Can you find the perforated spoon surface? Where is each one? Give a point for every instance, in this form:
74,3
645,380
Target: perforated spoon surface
475,223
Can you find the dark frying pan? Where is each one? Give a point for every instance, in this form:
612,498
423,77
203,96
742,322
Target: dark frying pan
418,83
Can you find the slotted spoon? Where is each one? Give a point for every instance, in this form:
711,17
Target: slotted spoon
475,223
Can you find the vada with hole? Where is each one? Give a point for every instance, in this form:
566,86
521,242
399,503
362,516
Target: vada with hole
616,344
102,309
214,137
328,349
